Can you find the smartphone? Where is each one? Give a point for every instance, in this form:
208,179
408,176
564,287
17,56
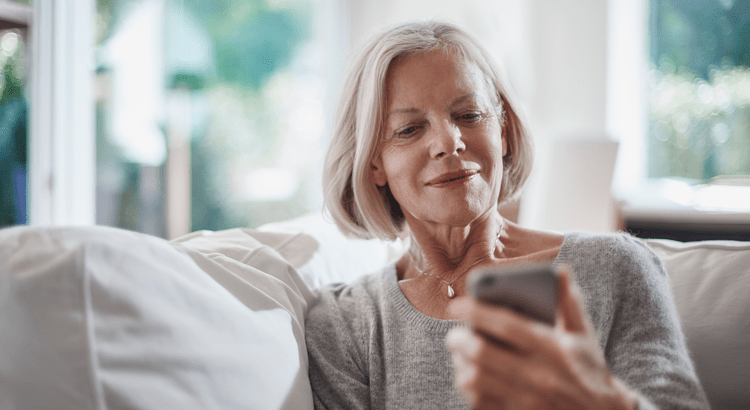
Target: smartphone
530,290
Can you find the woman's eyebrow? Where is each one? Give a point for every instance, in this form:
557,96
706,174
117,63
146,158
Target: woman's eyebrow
474,96
404,111
471,97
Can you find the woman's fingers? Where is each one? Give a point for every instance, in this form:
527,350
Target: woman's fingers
478,387
492,377
560,367
478,349
487,376
504,325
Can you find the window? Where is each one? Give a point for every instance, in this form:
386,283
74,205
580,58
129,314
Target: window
678,100
677,97
699,102
210,115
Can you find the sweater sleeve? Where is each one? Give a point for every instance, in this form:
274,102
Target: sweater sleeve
645,347
337,373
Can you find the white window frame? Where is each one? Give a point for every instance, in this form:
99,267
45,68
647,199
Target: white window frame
62,150
627,92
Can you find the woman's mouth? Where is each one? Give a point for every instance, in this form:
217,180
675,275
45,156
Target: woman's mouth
451,178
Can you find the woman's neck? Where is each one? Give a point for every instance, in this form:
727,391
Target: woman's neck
448,251
484,246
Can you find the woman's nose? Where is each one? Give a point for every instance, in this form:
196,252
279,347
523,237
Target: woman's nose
447,140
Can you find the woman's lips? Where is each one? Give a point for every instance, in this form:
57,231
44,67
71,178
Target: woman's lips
449,178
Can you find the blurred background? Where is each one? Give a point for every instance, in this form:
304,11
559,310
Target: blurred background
170,116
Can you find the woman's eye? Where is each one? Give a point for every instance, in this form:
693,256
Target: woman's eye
470,116
407,131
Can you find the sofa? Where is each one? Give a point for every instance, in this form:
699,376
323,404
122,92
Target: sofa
103,318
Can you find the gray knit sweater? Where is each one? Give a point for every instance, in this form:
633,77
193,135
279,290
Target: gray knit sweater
370,348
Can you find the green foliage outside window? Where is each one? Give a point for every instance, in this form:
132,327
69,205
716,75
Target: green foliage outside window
254,41
238,118
13,130
700,88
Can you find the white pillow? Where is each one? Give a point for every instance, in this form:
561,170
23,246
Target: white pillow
263,280
96,318
330,257
711,285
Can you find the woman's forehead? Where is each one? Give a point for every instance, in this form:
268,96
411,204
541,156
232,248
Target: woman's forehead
430,64
440,74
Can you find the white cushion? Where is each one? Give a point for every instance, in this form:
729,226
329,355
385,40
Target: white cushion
263,281
96,318
329,256
711,285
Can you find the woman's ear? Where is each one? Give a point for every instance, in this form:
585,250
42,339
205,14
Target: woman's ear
377,173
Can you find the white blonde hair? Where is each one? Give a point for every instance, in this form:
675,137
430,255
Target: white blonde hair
357,205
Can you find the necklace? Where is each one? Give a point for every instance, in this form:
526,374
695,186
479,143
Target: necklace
451,292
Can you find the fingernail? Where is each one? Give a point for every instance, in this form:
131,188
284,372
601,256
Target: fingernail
456,338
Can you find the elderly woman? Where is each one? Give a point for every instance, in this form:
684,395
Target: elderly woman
428,143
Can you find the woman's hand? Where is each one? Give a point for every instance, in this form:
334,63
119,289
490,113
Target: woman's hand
542,367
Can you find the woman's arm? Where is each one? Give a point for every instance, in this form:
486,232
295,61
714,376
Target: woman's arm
646,347
639,348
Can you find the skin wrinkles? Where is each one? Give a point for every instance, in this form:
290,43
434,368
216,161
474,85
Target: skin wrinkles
472,104
410,124
440,120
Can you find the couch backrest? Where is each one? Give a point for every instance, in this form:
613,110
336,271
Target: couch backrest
711,286
76,303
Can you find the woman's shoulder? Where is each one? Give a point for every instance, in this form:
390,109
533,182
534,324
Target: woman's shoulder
350,302
370,284
613,239
614,249
620,279
613,263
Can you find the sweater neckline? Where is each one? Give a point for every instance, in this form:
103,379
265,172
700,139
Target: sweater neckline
405,309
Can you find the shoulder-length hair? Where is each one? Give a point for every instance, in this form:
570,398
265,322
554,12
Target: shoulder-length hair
357,205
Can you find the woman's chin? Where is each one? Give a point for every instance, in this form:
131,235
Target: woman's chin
454,216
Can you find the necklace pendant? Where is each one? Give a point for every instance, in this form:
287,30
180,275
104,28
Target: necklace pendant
451,293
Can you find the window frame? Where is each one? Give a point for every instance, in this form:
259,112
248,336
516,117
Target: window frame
62,155
627,90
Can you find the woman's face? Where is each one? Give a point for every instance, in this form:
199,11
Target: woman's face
442,149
